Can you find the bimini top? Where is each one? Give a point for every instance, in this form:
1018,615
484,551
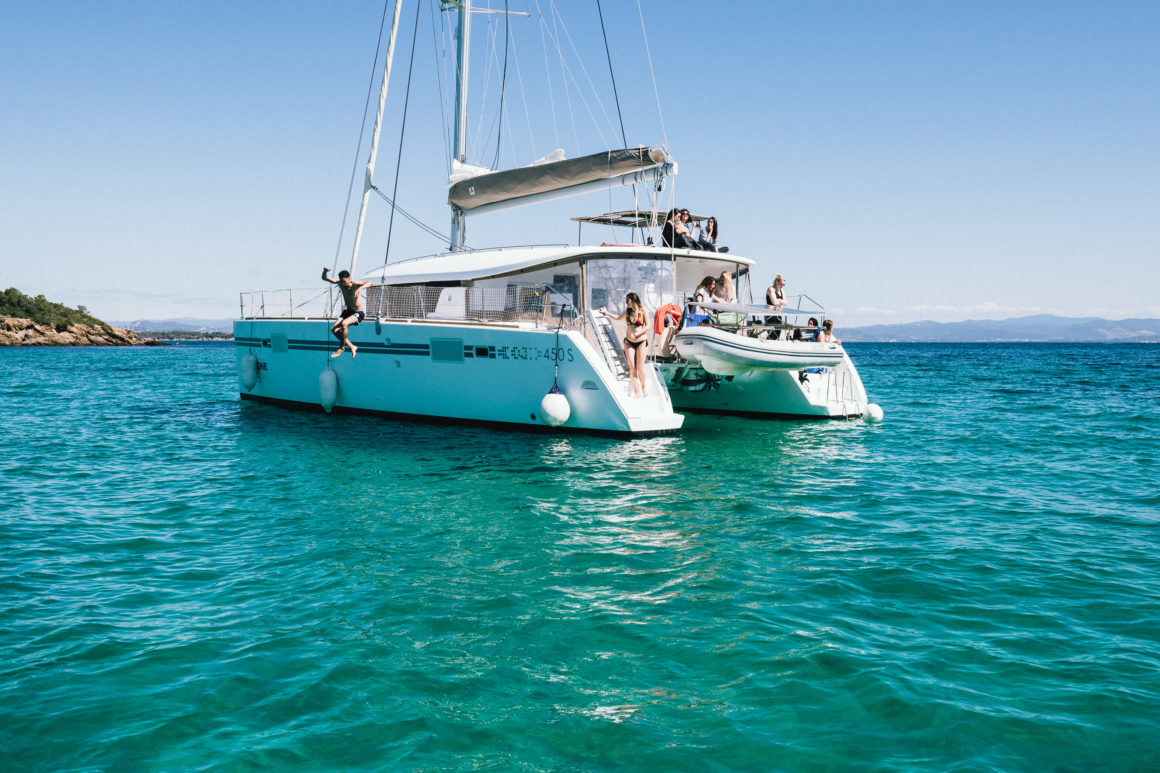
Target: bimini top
633,218
479,264
551,175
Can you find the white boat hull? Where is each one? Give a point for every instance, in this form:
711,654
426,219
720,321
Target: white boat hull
824,393
448,371
724,353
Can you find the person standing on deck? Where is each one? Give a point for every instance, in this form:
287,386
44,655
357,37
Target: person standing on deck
352,312
635,340
775,297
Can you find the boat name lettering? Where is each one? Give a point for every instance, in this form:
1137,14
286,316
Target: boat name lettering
553,354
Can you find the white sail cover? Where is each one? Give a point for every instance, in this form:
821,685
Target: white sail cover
494,187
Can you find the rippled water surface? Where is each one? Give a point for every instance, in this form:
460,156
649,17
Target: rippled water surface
192,583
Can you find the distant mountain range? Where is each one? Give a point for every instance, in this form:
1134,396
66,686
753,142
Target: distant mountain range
1045,328
181,324
1038,328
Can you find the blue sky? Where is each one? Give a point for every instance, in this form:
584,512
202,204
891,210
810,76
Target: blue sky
896,161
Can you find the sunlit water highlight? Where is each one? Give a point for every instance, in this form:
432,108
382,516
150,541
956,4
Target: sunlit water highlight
189,582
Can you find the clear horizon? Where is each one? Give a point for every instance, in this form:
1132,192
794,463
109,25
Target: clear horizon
898,163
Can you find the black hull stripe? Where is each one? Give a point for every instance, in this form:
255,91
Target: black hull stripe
327,346
368,348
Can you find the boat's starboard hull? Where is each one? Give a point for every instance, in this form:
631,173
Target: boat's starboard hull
724,353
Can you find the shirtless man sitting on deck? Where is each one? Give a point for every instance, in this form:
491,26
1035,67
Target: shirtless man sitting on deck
352,312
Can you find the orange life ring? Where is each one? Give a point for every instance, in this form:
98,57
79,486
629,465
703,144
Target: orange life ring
659,317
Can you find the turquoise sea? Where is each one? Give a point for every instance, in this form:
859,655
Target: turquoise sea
188,582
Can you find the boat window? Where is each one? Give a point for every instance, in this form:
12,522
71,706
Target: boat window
519,293
609,280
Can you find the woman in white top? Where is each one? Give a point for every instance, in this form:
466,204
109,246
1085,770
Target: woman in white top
706,292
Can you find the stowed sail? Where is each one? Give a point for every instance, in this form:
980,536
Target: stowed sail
512,186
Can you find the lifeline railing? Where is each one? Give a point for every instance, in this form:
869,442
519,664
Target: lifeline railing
313,303
753,320
538,303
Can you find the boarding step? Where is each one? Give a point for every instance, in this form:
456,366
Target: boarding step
605,335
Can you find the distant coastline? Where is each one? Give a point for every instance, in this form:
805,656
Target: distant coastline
28,321
186,335
19,331
179,327
1041,328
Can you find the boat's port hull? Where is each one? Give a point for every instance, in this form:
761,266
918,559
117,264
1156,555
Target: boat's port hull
495,375
441,420
724,353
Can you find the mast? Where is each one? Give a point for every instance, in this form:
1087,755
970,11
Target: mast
458,229
459,153
368,182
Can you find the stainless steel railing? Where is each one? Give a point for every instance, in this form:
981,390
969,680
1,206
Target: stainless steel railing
313,303
536,303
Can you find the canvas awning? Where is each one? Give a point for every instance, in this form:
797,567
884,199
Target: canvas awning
631,218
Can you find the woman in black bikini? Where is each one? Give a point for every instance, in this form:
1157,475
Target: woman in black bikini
636,331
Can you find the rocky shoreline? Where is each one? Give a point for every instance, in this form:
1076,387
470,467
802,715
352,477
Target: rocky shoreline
16,331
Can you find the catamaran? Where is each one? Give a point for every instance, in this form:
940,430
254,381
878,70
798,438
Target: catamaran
514,335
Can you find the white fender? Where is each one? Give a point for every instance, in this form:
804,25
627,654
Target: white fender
249,370
327,389
872,414
554,408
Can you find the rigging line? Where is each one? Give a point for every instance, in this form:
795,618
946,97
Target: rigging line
502,82
436,39
484,82
512,141
480,139
576,83
524,99
619,115
362,132
548,74
483,136
653,74
563,76
515,54
423,226
591,85
611,74
403,128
